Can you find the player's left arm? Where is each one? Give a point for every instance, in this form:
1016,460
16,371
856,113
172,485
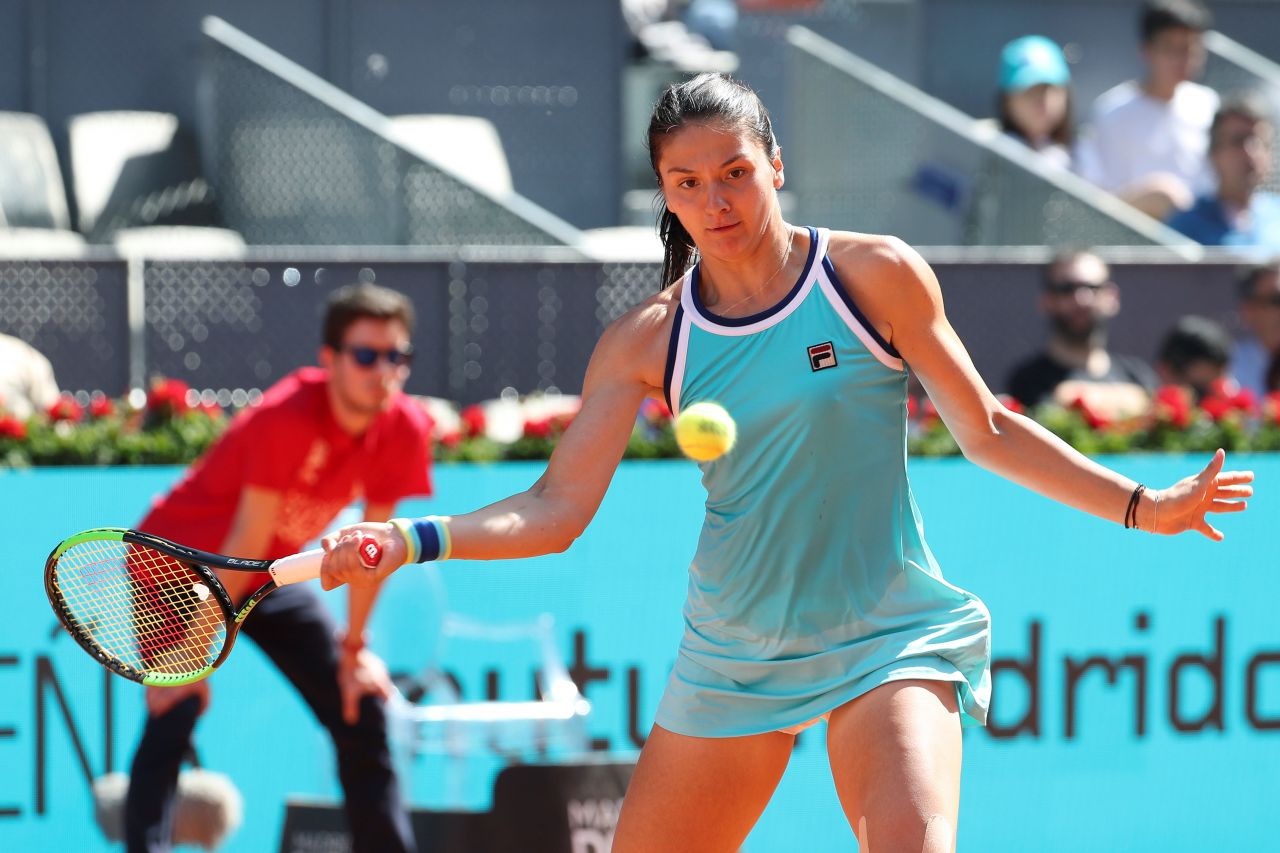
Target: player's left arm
900,295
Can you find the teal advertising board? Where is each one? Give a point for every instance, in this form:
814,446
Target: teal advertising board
1137,683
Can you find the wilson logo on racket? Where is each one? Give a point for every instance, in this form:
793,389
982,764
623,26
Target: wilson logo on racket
371,552
822,356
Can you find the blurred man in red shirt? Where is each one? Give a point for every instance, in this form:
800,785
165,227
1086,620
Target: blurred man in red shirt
321,438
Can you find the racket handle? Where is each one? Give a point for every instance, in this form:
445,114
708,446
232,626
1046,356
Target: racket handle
370,552
297,568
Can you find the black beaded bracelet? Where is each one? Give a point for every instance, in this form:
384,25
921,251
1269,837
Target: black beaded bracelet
1131,514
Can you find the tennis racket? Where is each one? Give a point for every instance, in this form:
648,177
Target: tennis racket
152,610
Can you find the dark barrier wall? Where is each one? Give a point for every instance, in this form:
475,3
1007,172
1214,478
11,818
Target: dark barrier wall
63,57
485,326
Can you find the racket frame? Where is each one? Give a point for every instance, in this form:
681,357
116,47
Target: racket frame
201,563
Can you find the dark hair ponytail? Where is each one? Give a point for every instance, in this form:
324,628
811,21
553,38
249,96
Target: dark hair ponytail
707,98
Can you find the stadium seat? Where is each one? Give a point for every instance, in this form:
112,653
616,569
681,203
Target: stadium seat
130,169
468,145
32,194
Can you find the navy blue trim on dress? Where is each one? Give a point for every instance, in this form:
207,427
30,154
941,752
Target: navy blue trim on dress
853,309
766,313
672,346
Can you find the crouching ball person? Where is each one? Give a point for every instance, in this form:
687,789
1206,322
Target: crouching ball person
813,595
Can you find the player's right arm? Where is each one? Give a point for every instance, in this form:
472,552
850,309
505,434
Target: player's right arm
625,368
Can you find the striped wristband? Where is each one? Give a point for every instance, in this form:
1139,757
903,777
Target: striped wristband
426,539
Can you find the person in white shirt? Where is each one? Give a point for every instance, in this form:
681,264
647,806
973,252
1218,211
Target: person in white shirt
26,379
1147,140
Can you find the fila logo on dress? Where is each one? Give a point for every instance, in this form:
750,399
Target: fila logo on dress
822,356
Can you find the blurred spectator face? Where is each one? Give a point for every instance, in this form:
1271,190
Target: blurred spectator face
1079,297
1260,313
1174,55
1241,155
367,388
1037,110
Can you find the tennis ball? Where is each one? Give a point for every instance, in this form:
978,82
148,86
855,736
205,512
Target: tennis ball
705,431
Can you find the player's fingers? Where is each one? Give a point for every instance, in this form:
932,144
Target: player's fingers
1214,467
1228,506
1227,478
1209,530
1234,492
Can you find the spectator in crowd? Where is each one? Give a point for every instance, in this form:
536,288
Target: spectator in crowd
1195,354
1240,152
1035,97
26,379
1079,298
1255,361
1146,140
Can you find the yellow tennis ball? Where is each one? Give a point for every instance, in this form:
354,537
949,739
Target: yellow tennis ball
705,431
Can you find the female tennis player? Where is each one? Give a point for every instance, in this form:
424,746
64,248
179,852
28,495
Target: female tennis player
812,595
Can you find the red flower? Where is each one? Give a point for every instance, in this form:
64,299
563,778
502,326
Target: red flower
1216,407
540,428
1095,419
168,396
473,421
559,423
66,409
913,408
1272,406
1173,403
1245,401
101,406
450,440
1012,404
11,427
656,412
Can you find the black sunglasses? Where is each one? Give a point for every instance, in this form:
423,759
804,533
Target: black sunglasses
1067,287
368,356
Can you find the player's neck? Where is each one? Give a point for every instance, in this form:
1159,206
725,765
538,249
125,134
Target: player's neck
748,286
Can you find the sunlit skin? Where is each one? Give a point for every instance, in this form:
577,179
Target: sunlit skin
1036,111
357,393
1241,158
1173,56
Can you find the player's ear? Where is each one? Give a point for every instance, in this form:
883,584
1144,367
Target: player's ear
778,177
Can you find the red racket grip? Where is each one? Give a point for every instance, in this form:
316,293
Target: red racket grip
370,552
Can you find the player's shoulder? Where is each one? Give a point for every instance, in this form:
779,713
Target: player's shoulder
646,322
870,255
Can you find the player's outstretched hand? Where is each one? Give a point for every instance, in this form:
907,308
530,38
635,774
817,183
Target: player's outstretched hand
342,562
1185,504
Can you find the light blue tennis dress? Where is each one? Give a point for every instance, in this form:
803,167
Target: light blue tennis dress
812,582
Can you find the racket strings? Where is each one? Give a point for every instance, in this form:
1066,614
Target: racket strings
141,607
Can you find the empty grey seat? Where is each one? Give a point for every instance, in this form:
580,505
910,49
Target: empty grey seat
133,168
32,194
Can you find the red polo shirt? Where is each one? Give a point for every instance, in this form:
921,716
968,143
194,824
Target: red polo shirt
290,443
